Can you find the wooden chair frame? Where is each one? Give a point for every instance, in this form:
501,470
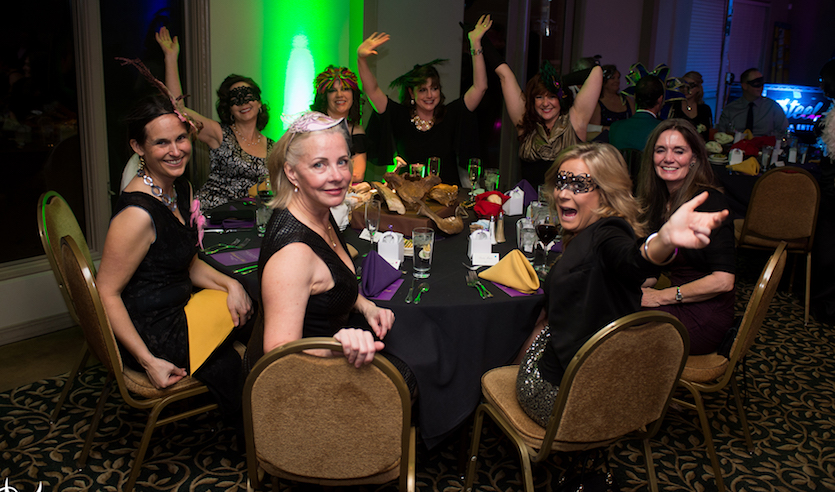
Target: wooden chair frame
82,289
749,328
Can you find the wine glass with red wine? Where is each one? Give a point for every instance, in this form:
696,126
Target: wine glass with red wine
546,230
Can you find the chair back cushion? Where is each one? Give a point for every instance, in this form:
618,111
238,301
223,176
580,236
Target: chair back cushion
784,205
323,418
624,382
81,285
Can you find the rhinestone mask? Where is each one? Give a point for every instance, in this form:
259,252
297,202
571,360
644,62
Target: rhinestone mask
582,183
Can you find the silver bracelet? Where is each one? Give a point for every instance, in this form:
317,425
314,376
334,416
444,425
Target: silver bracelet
649,258
476,52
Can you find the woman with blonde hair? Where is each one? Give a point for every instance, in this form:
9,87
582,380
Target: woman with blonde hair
598,278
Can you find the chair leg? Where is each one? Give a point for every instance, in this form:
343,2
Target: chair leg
94,423
82,361
479,420
711,449
743,419
651,478
143,446
808,286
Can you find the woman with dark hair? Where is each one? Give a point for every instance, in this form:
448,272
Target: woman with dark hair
338,95
421,125
238,149
547,118
149,268
674,169
598,278
613,105
692,108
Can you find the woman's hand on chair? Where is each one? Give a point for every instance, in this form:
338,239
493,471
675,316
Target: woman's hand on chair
162,373
358,345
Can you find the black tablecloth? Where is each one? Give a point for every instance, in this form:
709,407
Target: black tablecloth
448,340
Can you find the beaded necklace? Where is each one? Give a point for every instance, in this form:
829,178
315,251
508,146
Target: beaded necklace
156,191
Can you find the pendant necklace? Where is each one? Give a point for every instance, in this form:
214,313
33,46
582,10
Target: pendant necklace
247,141
327,231
156,191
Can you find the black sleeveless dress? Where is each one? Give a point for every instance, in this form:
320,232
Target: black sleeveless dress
159,290
326,313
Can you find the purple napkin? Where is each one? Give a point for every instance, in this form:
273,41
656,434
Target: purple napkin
377,274
513,292
388,292
237,223
237,257
531,195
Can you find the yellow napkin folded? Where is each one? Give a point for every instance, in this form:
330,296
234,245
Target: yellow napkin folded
513,271
750,166
209,323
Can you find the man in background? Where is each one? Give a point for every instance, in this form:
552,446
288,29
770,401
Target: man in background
762,115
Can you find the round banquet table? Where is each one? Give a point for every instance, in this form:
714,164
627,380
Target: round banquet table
451,338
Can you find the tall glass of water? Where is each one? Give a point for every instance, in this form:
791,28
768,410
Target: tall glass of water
423,242
372,218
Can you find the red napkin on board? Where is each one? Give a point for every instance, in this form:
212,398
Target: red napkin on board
483,208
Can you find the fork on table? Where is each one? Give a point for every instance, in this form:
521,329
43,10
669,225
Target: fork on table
473,281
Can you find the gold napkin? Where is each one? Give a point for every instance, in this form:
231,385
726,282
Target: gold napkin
209,323
750,166
513,271
254,189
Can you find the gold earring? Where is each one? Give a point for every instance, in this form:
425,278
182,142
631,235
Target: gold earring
141,162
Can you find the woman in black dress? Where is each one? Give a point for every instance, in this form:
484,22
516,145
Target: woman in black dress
421,125
674,169
598,278
149,265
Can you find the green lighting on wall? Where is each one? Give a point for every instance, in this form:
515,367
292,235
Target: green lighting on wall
301,38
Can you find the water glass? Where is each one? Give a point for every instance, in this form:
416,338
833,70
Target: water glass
262,217
491,179
423,241
526,235
435,166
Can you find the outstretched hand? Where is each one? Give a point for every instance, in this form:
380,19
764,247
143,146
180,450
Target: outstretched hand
690,229
483,24
169,45
370,45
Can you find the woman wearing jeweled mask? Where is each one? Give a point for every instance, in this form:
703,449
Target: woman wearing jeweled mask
238,148
598,278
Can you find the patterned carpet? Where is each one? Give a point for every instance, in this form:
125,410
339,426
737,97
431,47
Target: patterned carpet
791,410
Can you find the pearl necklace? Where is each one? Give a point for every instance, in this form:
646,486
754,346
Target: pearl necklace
246,140
422,124
156,191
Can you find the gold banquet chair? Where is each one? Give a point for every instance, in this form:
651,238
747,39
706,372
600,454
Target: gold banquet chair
783,207
78,278
299,408
620,382
711,373
56,220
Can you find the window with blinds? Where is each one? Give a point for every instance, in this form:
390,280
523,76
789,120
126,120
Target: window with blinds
704,47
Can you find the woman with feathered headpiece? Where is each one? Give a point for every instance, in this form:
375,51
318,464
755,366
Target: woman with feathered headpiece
338,95
421,125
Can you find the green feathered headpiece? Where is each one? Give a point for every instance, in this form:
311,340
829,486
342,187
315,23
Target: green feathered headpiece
415,77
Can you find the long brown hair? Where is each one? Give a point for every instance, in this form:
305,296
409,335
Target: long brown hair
608,169
536,87
656,199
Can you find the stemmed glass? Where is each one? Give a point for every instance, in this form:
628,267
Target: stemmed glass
546,230
372,218
474,173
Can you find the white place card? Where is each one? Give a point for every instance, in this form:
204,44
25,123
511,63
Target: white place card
485,259
480,243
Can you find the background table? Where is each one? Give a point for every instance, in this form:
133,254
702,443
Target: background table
448,340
